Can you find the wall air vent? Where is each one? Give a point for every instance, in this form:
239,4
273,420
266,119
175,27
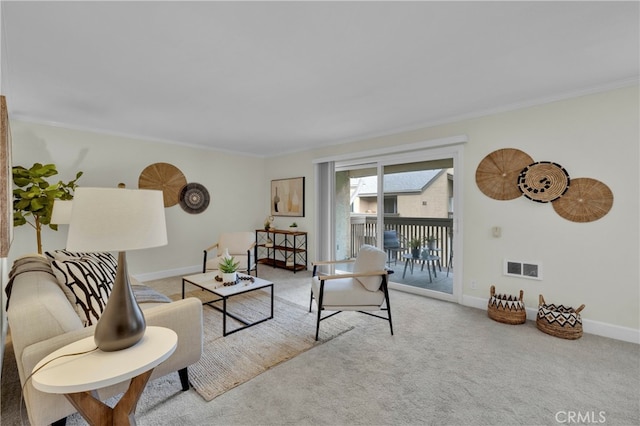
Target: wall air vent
516,268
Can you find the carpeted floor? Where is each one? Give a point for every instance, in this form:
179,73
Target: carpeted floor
229,361
446,365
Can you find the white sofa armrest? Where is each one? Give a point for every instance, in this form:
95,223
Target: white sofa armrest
185,318
182,316
38,311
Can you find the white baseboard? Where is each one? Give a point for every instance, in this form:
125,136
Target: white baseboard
598,328
588,326
158,275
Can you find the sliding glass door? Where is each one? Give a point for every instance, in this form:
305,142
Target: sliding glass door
356,192
418,224
413,212
406,203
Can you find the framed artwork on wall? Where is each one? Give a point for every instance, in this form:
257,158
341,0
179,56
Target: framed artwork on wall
287,197
6,181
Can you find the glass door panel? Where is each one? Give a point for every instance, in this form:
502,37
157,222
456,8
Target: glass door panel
355,210
413,208
419,213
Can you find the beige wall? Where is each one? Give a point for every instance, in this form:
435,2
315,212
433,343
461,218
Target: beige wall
591,136
235,185
593,263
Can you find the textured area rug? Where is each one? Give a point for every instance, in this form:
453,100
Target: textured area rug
226,362
236,358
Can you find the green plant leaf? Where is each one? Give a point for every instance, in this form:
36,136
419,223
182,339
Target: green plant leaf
34,195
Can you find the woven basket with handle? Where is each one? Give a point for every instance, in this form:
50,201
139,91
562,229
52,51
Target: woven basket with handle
560,321
506,308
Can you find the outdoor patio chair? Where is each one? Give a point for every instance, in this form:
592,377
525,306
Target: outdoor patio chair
239,245
364,290
392,245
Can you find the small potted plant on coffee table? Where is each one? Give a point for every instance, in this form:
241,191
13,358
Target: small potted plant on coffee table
229,268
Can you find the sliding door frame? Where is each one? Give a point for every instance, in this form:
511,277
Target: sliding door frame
434,149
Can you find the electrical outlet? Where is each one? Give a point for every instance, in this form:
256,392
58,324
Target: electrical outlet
474,284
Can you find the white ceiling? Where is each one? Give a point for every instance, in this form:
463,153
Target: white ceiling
266,78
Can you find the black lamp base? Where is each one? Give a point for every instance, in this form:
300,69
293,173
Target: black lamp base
122,323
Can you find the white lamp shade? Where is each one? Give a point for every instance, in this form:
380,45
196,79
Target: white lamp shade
116,219
61,214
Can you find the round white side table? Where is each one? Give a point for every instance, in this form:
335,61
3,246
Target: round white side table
77,376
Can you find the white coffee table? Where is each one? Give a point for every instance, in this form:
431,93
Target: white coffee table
207,281
78,376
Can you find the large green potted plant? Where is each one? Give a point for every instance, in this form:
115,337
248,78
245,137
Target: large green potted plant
34,196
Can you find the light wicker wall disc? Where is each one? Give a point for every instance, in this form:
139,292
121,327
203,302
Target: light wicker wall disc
497,173
166,178
543,181
585,201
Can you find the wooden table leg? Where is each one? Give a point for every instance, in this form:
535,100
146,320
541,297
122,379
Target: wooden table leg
97,413
94,411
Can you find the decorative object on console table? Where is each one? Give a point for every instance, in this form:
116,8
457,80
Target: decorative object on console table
114,219
287,197
281,249
268,223
293,227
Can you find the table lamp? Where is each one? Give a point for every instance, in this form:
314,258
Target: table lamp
61,214
116,219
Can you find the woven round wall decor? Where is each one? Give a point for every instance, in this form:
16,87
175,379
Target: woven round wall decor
194,198
585,201
497,173
166,178
543,181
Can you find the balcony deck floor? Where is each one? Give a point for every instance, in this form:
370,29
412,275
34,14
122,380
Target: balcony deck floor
441,282
420,277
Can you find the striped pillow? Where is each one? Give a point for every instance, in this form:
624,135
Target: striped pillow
105,257
87,283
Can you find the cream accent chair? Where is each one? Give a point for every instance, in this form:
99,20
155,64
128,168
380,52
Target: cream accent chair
240,246
365,289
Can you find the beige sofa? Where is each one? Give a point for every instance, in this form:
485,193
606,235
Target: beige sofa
42,319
